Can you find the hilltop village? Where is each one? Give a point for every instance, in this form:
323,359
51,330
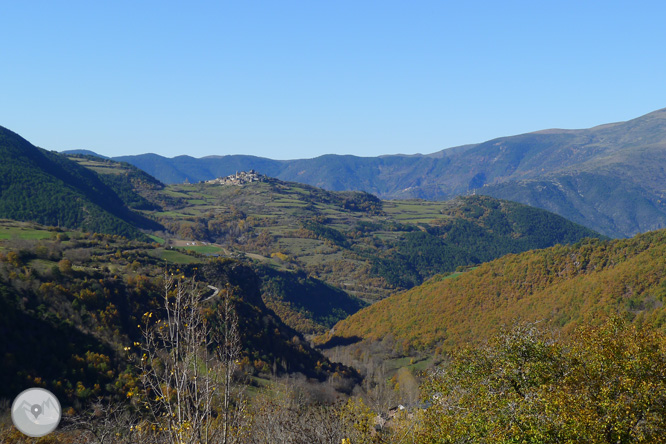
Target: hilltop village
239,178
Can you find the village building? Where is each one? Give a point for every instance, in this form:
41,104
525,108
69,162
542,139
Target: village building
240,178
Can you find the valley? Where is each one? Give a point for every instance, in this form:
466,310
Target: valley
352,241
332,222
337,299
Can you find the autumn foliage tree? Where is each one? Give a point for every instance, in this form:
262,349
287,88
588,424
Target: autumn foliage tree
605,384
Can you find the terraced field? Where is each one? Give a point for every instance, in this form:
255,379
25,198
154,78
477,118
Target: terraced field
351,240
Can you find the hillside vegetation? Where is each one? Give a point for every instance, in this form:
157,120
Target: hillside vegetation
47,188
529,327
305,303
319,252
126,180
600,384
72,306
330,252
352,247
563,286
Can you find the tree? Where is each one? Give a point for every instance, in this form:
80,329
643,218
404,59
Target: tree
229,353
105,422
183,367
617,384
65,266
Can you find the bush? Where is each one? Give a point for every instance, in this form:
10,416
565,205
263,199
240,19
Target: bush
605,384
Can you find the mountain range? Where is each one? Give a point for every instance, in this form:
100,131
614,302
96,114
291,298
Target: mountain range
609,178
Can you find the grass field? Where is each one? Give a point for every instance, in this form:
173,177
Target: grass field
103,170
159,240
99,166
411,362
204,249
175,214
175,257
23,232
415,211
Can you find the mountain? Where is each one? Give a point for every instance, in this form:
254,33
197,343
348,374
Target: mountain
82,153
609,178
48,188
563,286
127,181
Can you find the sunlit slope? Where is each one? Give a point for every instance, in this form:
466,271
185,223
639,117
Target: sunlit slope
562,285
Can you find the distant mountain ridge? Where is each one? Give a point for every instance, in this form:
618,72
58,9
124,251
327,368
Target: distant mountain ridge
82,153
610,178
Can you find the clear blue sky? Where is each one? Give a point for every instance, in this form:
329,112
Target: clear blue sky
297,79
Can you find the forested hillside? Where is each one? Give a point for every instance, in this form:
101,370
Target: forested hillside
477,229
305,303
128,182
73,308
47,188
562,286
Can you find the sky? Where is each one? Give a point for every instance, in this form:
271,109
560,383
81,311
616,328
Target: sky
299,79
